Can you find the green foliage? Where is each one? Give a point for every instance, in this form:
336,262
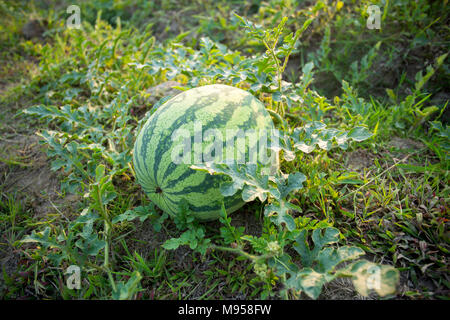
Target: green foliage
326,81
271,64
126,290
320,266
309,279
229,233
194,236
89,141
143,213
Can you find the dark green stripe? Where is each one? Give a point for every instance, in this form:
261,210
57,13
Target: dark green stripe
187,117
152,122
139,170
221,118
249,124
208,183
183,176
229,202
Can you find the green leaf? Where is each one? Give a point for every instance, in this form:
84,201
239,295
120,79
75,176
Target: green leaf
320,237
125,291
278,212
320,263
91,245
250,193
309,281
229,188
283,264
171,244
141,212
43,238
359,134
301,246
99,172
247,177
323,237
367,276
294,183
315,133
329,258
350,181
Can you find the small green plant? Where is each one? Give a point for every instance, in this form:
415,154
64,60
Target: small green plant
412,111
271,64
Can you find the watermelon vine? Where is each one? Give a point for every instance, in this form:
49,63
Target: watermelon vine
320,263
91,146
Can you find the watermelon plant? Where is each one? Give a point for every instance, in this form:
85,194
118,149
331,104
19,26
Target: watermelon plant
247,182
100,140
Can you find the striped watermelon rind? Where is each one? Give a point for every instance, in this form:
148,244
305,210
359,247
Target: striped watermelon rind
167,183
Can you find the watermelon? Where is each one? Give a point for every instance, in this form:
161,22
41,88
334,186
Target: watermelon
163,168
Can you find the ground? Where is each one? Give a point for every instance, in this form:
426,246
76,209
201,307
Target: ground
397,210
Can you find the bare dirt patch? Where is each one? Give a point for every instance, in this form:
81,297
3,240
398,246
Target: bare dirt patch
359,160
406,144
144,240
28,175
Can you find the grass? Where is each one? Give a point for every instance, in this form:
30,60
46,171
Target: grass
83,92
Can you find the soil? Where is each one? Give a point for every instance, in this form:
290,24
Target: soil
359,160
406,144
